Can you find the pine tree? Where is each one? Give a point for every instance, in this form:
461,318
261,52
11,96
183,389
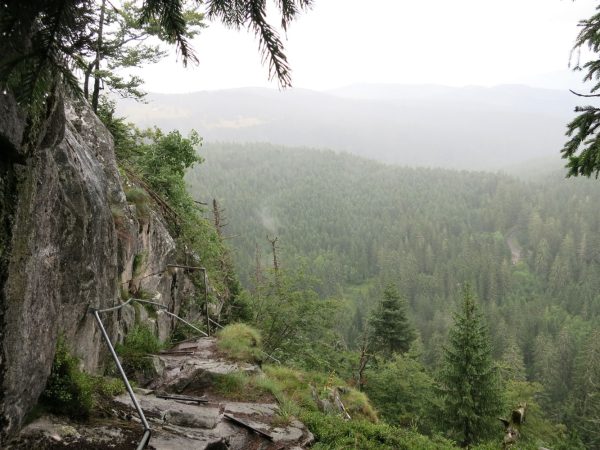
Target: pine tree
587,390
391,328
512,367
469,383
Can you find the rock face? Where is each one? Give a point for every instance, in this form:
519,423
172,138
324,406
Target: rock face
68,242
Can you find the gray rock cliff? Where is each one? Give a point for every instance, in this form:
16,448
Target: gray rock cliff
68,242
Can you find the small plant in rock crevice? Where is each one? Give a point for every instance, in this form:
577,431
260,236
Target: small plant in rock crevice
140,198
137,345
72,392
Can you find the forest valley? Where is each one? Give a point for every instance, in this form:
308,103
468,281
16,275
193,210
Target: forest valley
382,267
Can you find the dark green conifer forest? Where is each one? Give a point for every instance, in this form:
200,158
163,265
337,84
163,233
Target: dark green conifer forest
354,229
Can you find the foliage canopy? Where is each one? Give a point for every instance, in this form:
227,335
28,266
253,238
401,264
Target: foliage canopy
582,150
45,42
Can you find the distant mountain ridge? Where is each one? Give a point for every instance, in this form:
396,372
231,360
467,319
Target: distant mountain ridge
435,126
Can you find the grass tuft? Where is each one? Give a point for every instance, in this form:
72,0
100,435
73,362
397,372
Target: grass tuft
140,198
240,342
240,386
358,405
137,345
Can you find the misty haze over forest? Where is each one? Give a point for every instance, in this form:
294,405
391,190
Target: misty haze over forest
474,128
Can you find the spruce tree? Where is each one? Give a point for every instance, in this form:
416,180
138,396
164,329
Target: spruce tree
391,329
586,392
469,383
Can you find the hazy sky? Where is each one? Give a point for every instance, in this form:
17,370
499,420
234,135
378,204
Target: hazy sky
340,42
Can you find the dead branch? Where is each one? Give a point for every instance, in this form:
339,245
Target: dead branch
512,426
583,95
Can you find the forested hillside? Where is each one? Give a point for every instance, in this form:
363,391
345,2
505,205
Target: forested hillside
530,250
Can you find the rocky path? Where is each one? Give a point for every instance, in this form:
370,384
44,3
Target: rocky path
183,411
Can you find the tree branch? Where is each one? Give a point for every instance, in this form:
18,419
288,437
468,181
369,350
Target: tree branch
583,95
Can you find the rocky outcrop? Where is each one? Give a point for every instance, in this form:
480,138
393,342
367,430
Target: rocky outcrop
197,367
69,242
180,422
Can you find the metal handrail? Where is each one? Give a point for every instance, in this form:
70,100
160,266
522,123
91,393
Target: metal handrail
216,323
271,357
203,269
96,312
114,308
165,309
147,431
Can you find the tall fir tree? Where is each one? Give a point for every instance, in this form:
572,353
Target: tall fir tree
468,379
587,391
391,328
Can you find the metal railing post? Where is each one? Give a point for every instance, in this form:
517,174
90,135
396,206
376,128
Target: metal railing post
147,431
206,301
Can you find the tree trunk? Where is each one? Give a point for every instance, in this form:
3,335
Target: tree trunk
86,83
96,93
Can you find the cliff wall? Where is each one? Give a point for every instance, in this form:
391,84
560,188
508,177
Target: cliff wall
69,241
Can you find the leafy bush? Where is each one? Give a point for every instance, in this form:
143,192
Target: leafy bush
183,332
140,199
240,342
333,432
358,405
402,392
107,387
137,345
71,392
141,340
118,215
139,261
68,390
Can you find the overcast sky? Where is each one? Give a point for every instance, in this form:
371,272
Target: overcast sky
341,42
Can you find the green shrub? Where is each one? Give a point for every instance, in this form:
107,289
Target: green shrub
141,339
183,331
118,215
137,345
240,386
140,198
107,387
333,432
139,263
151,310
124,293
240,342
403,393
68,390
358,405
71,392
